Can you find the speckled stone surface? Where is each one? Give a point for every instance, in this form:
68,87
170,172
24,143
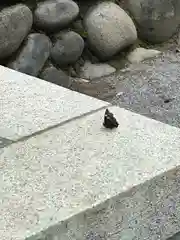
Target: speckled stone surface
29,104
93,183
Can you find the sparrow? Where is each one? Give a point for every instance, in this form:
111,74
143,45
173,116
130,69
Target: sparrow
109,120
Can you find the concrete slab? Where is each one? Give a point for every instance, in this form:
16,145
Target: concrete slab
29,104
82,181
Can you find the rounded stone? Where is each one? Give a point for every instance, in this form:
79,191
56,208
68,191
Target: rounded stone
33,55
140,54
91,71
54,15
15,24
109,29
156,20
56,76
67,49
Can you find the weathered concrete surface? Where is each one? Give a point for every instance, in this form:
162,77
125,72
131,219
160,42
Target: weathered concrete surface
82,181
29,104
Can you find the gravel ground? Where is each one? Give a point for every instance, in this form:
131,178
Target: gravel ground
150,88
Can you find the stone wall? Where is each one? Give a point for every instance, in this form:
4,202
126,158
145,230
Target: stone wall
58,40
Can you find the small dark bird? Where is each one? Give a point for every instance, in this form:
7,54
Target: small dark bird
109,120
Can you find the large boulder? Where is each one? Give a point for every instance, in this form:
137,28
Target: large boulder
33,55
109,29
67,49
156,20
15,23
54,15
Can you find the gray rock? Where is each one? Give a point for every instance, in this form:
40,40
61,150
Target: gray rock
55,15
32,55
56,76
91,71
67,49
15,23
156,20
109,29
140,54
